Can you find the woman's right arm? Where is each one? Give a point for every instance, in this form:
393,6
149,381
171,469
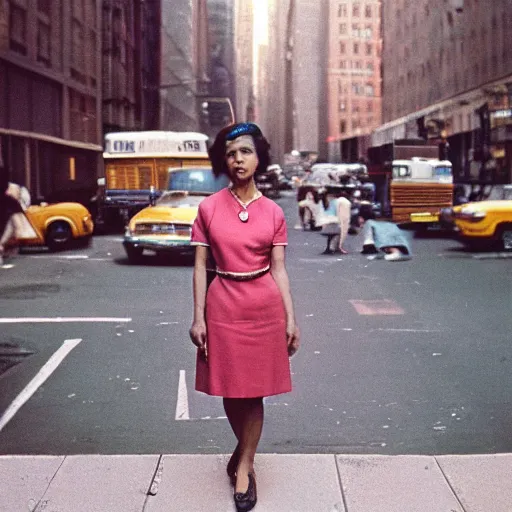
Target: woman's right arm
198,329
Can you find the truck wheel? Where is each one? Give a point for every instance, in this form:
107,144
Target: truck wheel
58,235
134,254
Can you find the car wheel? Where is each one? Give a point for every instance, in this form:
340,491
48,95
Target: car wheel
506,238
58,235
134,254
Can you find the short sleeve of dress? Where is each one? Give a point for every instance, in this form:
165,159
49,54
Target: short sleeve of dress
280,232
200,229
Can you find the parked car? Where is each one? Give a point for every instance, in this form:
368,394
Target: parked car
483,224
267,182
167,225
57,225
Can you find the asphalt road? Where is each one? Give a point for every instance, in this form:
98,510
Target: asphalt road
397,358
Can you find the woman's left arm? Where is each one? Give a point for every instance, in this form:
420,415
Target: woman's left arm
280,275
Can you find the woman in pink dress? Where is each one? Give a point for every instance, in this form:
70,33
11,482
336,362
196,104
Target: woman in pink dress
244,323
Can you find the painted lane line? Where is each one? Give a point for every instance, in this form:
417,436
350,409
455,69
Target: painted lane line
38,380
182,402
60,319
405,330
377,307
61,257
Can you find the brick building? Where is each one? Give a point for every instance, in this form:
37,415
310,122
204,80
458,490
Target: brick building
354,75
448,75
50,95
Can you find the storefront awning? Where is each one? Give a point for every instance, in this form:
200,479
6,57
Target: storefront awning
54,140
399,128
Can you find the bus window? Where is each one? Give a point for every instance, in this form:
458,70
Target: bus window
401,171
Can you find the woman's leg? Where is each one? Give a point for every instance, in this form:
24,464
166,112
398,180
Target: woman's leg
251,425
232,409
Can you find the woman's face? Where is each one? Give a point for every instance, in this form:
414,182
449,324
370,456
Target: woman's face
241,158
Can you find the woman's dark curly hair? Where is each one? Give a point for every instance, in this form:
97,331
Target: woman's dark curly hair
217,151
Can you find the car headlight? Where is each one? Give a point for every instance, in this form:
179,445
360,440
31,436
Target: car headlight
468,213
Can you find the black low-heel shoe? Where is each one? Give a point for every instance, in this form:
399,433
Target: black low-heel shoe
246,501
232,466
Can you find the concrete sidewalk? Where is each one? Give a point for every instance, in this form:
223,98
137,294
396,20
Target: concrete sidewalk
286,483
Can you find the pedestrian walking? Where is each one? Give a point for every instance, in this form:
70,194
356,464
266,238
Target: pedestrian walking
336,222
10,211
244,323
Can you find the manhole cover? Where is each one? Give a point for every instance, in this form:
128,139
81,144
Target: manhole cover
11,354
29,291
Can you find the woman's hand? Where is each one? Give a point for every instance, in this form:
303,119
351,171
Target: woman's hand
292,338
199,339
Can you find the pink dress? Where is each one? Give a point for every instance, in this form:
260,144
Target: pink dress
247,350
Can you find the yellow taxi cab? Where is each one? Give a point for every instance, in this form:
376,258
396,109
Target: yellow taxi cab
482,223
166,226
56,225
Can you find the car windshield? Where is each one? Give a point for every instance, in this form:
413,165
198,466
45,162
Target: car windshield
178,199
196,181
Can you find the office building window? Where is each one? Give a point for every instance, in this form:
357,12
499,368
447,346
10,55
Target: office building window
343,126
343,28
44,6
92,57
343,106
356,31
17,28
368,49
356,48
77,51
368,11
43,43
342,10
342,48
356,10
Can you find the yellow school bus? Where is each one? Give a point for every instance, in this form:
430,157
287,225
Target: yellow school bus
137,166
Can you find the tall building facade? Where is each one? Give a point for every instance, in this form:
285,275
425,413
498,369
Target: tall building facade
354,75
183,63
130,65
50,95
290,96
221,51
244,60
448,75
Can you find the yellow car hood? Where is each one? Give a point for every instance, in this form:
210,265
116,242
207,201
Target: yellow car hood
499,205
179,209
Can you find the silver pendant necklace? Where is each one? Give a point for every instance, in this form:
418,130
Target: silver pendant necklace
243,214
